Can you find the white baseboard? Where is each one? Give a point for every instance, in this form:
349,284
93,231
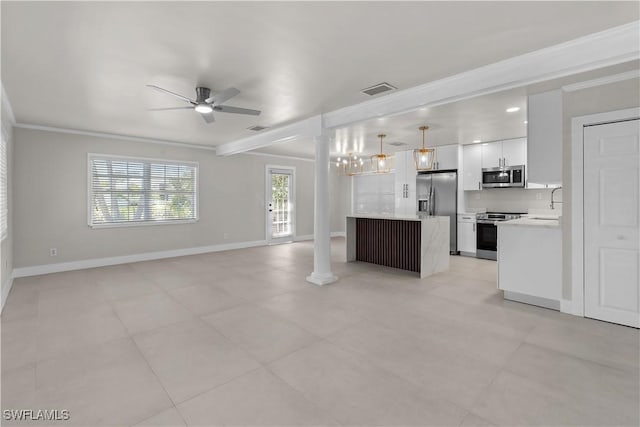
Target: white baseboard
125,259
6,288
303,238
566,306
338,234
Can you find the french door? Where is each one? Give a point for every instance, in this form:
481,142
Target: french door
611,216
280,203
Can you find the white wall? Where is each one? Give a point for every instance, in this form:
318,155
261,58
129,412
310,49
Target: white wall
517,200
614,96
340,200
50,203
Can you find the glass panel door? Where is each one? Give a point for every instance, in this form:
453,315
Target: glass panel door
280,215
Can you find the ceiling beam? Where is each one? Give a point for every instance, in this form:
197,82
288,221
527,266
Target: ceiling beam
610,47
304,129
613,46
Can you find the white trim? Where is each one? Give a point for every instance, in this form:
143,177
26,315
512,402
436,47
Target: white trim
294,213
6,288
338,234
633,74
6,106
566,306
304,129
282,156
303,238
125,259
113,136
577,199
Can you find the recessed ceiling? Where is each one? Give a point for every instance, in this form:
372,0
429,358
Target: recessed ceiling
84,65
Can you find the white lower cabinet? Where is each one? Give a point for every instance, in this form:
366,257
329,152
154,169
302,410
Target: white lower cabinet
467,235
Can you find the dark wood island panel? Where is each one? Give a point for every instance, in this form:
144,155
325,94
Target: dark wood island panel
388,242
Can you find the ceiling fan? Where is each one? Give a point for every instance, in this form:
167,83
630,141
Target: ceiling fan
207,102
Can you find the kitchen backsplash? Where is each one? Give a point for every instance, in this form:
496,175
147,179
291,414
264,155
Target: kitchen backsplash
511,199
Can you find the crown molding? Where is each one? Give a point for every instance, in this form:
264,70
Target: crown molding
113,136
6,106
304,129
633,74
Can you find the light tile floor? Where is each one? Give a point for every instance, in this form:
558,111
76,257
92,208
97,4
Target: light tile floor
240,338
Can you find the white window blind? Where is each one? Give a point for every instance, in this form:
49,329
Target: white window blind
4,191
141,191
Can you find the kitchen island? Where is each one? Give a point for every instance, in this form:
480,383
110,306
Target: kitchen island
408,242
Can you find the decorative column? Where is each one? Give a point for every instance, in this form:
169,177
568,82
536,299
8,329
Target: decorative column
322,274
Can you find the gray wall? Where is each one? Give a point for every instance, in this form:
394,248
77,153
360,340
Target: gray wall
6,251
50,203
614,96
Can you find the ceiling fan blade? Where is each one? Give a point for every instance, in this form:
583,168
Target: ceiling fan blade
236,110
184,98
170,108
221,97
208,117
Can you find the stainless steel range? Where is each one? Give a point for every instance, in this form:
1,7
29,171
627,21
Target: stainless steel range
487,233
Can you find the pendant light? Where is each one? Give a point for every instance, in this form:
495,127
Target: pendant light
380,161
352,165
423,157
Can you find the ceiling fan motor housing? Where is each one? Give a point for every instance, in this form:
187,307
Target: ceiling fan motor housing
202,94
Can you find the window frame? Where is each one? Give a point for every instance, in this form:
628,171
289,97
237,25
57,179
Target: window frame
4,226
98,156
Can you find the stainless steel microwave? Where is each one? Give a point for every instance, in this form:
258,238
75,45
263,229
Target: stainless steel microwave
510,176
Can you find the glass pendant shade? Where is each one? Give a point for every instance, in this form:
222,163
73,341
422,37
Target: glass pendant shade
380,162
423,157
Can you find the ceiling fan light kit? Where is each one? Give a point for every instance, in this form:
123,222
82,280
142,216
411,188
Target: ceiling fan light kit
207,102
423,157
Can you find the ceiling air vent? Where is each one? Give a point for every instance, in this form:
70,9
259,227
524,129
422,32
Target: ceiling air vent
398,144
257,128
379,88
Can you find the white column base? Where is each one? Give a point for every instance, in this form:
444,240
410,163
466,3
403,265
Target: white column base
321,279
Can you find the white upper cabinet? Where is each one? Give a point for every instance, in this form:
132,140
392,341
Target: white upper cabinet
544,132
405,183
510,152
491,154
472,167
446,157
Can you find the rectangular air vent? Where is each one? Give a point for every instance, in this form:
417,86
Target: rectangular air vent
379,88
257,128
398,144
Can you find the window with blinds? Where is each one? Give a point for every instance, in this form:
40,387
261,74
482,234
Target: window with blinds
4,190
141,191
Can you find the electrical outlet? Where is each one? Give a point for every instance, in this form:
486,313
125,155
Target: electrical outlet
538,196
53,252
225,236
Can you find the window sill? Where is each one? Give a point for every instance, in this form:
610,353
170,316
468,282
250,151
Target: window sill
143,224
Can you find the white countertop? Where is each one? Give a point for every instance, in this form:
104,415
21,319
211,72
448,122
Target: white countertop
531,222
395,216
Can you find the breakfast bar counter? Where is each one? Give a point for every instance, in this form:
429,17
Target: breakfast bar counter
408,242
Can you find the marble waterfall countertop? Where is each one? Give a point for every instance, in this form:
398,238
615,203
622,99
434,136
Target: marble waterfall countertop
431,254
395,217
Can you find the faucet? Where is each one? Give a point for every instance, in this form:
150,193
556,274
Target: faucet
553,191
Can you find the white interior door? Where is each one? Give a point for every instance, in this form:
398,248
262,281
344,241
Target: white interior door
611,214
280,202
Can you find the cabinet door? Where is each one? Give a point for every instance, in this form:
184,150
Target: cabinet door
471,167
467,237
399,188
447,157
491,154
514,152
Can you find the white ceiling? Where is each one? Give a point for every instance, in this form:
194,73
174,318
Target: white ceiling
84,65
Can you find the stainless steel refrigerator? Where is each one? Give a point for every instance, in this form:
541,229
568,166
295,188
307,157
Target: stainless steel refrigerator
437,193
